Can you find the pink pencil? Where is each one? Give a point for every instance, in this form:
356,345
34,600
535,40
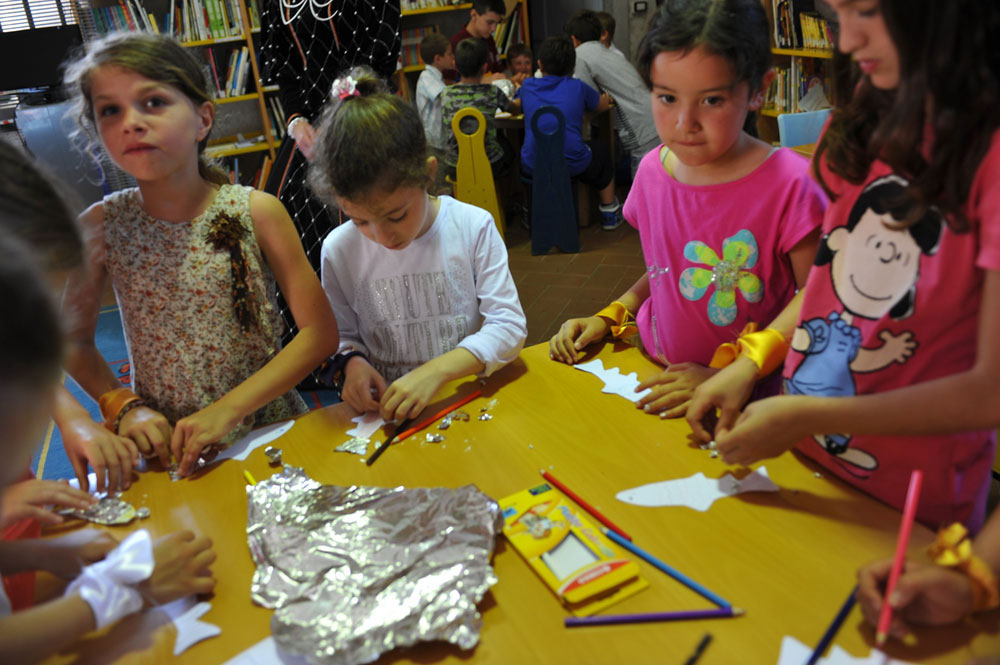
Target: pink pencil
905,526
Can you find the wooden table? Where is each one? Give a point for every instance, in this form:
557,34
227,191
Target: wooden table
788,558
805,150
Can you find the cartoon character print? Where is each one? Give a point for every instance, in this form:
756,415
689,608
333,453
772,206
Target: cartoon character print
874,267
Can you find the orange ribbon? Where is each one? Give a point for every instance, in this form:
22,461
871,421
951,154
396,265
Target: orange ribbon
766,348
622,320
953,549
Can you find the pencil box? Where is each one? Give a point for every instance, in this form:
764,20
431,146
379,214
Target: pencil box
585,570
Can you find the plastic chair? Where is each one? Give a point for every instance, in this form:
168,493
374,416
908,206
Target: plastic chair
473,174
553,209
801,128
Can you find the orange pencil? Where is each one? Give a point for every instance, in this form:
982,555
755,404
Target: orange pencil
586,506
905,526
440,414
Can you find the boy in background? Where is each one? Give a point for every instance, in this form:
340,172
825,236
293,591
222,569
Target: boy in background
437,54
610,72
608,32
484,17
474,91
588,162
521,63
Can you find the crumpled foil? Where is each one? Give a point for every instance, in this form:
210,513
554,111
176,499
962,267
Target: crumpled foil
353,572
108,511
357,445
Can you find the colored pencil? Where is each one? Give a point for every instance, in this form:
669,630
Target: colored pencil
385,444
617,619
249,477
905,526
698,650
831,631
586,506
676,574
440,414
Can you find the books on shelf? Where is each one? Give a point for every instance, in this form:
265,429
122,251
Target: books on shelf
798,26
411,5
229,70
409,53
791,84
511,31
186,20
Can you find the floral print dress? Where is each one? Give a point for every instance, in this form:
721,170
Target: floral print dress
197,302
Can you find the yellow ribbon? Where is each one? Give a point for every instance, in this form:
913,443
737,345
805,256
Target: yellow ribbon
953,549
622,320
766,348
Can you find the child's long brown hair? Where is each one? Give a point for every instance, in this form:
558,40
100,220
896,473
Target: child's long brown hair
949,83
156,57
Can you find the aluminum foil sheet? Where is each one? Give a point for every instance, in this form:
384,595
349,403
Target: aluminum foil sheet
108,511
353,572
357,445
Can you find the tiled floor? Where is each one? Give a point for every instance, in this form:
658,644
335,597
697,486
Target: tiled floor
559,286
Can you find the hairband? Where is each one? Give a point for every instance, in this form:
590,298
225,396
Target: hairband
345,87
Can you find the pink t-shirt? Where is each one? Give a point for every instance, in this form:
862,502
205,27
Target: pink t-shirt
717,255
886,309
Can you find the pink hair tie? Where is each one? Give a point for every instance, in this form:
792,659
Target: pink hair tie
345,87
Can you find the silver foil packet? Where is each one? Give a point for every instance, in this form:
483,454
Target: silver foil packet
353,572
108,511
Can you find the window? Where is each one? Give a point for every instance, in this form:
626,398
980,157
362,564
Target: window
32,14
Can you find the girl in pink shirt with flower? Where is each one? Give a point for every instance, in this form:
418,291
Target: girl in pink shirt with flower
728,223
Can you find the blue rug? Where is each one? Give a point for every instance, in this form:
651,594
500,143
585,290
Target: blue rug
50,461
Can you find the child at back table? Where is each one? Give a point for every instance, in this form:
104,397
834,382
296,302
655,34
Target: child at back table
590,161
470,58
419,283
435,49
901,314
193,261
727,223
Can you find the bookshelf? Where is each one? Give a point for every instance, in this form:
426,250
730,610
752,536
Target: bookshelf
801,48
222,33
448,19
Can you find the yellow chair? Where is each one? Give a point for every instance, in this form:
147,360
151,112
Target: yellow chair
473,175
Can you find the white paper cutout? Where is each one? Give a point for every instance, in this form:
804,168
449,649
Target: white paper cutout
698,491
794,652
185,614
266,652
367,424
255,439
615,383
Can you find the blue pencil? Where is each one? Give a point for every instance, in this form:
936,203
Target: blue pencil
831,632
676,574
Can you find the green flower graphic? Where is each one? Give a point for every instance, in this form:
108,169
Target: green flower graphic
739,255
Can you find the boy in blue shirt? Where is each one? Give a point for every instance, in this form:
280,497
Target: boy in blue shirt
435,50
588,161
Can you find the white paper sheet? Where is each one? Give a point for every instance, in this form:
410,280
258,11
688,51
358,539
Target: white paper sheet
615,383
266,652
794,652
367,424
185,613
255,439
697,491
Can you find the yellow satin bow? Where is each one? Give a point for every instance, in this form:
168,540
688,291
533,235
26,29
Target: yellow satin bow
766,348
622,320
953,549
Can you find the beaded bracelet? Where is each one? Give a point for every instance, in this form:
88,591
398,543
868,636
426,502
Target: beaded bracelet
116,403
125,409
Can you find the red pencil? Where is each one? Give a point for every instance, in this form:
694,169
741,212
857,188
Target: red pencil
440,414
905,526
586,506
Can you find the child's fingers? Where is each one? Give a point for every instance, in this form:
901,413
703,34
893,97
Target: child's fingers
677,411
80,469
45,517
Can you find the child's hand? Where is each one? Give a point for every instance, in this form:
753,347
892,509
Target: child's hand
182,567
671,390
112,457
150,430
363,386
410,393
727,391
574,335
518,79
765,429
925,594
65,556
202,428
26,499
